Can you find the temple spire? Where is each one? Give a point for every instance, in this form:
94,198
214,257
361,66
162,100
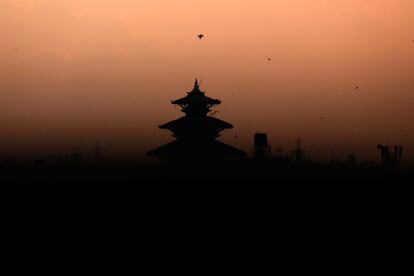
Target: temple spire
196,85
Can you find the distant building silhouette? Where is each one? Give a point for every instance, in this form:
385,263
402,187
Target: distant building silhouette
76,155
196,132
389,158
351,160
262,149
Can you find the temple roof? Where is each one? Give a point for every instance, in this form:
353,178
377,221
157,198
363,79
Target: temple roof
196,96
182,150
196,131
208,121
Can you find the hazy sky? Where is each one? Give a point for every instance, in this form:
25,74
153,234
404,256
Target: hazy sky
74,70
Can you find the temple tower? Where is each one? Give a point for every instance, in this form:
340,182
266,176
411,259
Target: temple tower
196,131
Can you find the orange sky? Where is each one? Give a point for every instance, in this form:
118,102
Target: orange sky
73,70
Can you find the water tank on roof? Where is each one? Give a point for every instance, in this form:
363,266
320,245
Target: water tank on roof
260,140
261,147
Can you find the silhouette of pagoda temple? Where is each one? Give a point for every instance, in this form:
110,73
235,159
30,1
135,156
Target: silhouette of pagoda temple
196,132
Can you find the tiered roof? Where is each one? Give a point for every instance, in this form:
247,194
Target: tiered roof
196,131
196,96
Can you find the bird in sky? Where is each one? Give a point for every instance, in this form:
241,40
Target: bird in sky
357,87
321,118
200,36
269,59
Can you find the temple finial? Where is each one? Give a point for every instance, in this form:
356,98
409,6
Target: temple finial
196,85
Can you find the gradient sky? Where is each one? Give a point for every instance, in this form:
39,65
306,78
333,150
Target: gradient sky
74,70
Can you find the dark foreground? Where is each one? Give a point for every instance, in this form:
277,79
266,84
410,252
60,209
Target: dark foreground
235,172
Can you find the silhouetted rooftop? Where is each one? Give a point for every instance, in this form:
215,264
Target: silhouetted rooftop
184,122
196,96
196,132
